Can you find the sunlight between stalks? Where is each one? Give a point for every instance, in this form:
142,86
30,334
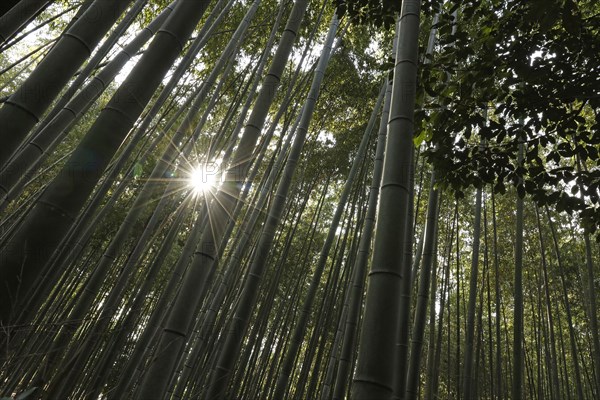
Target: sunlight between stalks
202,179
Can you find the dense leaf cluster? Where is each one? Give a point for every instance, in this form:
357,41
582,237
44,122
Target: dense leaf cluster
506,73
376,12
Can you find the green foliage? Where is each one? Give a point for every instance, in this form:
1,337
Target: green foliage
512,74
376,12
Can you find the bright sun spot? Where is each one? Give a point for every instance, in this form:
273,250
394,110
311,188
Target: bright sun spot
202,179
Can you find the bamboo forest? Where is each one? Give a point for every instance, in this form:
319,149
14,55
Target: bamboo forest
299,199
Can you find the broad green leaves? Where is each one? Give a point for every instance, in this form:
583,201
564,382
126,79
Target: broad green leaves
535,75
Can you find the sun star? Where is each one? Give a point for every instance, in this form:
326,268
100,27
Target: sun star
202,179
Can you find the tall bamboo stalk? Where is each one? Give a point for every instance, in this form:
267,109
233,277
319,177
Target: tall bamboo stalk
26,106
375,372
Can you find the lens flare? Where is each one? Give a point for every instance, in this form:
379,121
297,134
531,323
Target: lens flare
202,179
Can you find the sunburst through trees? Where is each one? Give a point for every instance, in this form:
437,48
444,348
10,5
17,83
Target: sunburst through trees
263,199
